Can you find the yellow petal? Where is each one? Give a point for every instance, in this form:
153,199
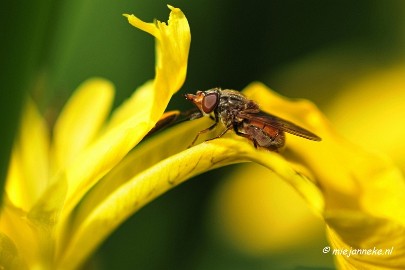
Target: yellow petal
138,107
364,192
145,155
9,255
302,113
21,239
172,47
46,211
137,116
354,169
261,215
364,242
94,162
80,120
30,238
369,112
93,225
28,172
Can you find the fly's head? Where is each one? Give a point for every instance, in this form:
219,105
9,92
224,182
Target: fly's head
205,101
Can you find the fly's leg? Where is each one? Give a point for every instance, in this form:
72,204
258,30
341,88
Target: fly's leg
239,133
220,135
203,131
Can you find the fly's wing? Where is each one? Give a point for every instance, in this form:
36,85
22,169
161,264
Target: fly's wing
276,122
171,118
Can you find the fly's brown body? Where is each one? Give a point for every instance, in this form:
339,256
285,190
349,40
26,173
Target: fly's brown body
244,116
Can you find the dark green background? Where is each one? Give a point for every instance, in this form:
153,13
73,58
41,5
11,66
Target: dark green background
48,48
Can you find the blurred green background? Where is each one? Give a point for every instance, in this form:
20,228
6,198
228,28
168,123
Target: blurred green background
49,47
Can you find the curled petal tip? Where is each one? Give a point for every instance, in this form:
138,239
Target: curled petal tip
172,8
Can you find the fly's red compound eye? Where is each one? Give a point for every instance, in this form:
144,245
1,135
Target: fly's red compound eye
210,101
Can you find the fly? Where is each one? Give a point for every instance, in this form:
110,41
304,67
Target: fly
244,116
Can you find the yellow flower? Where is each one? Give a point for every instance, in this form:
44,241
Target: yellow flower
72,189
52,178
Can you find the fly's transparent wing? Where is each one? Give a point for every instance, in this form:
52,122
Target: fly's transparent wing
279,123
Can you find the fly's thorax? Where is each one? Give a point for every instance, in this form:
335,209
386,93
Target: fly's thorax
233,97
230,104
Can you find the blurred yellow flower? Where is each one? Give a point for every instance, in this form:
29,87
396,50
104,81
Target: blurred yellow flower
374,122
363,190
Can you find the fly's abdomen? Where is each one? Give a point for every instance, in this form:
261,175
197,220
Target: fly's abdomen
263,135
